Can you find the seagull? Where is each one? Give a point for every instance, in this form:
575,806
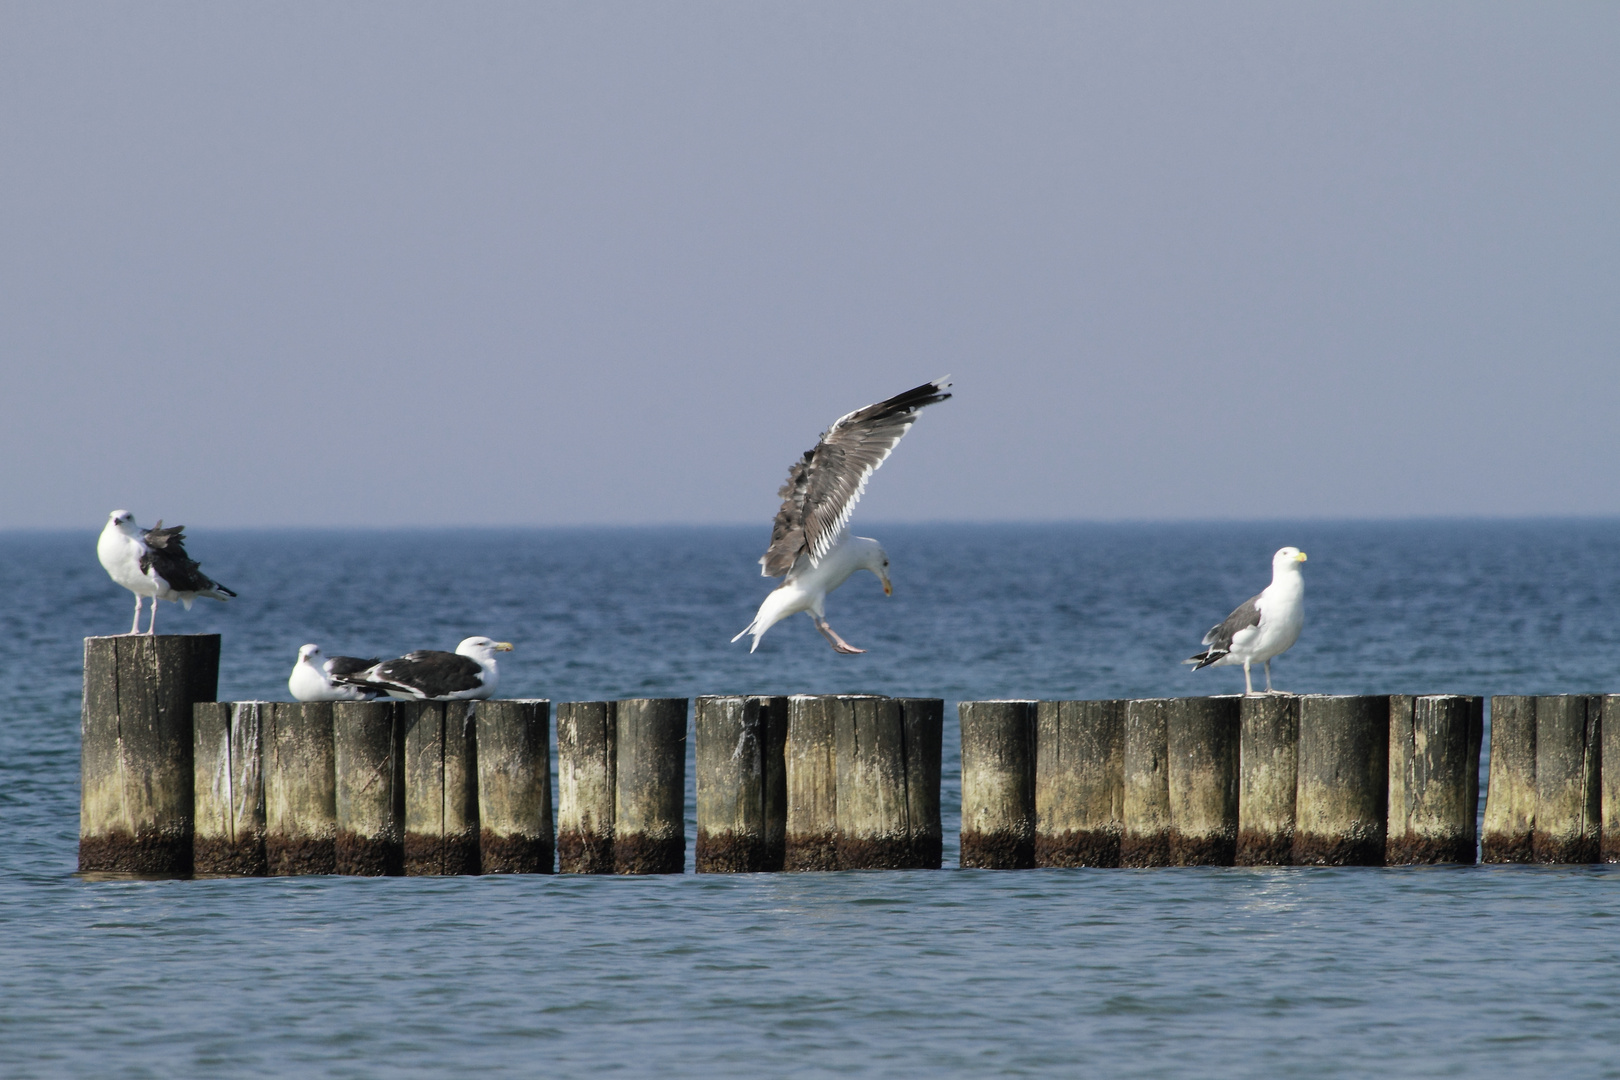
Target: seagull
311,678
153,562
468,674
1265,626
811,548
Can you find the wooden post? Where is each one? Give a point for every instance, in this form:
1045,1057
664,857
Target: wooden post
1510,797
732,751
1202,780
587,757
441,788
514,787
1341,810
998,784
1145,839
368,753
135,761
1433,778
300,789
874,814
1268,773
774,718
810,765
1609,844
649,807
923,721
228,789
1079,782
1568,807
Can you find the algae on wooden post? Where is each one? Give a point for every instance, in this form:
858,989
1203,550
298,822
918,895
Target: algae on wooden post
1079,782
1268,776
1145,839
228,789
441,788
1433,778
1510,795
811,771
587,761
1568,807
514,787
300,789
732,754
649,807
1341,812
998,784
1201,737
369,754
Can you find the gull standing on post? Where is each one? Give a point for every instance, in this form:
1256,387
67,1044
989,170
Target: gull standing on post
809,542
153,562
311,678
1265,626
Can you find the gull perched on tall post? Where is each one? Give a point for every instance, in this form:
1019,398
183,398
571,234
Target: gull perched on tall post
1265,626
153,562
811,548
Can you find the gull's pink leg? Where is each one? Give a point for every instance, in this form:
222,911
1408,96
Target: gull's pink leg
1248,685
837,642
151,626
135,627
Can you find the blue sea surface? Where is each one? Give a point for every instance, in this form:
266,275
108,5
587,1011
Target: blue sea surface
1201,972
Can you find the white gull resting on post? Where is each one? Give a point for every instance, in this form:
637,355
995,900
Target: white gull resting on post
468,674
153,562
1265,626
809,541
311,678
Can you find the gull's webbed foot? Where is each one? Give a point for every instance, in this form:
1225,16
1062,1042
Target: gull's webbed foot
838,643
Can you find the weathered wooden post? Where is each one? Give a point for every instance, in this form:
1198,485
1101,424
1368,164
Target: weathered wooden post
1568,806
811,770
923,728
587,758
649,808
998,784
774,716
874,819
135,801
1268,774
368,752
1201,736
1510,797
734,772
1079,782
228,789
1145,838
300,789
1609,848
441,788
1341,810
514,787
1433,778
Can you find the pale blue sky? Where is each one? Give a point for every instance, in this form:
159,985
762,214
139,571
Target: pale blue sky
344,264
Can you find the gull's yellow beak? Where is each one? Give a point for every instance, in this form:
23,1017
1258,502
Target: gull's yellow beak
1300,557
503,646
888,590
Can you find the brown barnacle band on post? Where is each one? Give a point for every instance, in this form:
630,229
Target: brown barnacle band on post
587,761
1079,782
1433,778
649,809
1268,778
441,789
1341,812
300,789
228,836
998,784
136,767
514,787
369,754
1201,739
810,840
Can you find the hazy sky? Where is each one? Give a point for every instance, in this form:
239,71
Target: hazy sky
392,263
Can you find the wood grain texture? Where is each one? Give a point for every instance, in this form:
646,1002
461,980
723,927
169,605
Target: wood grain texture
1342,805
368,744
998,784
1433,778
228,789
587,764
649,806
514,787
1268,775
1079,782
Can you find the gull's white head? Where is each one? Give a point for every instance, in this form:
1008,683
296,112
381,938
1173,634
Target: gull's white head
1287,558
124,522
482,649
310,654
875,559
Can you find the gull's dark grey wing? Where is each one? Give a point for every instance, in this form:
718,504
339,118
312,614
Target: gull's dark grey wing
1219,638
824,485
166,554
426,673
349,665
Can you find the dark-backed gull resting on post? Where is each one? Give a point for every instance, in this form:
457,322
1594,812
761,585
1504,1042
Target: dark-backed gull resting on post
810,543
468,674
153,562
311,678
1265,626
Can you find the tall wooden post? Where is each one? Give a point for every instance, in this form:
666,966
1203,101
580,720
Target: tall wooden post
998,784
1079,782
1568,801
1268,775
441,788
1201,736
1145,840
1609,849
587,761
514,787
300,789
1433,778
874,818
368,743
1510,797
649,808
228,789
923,728
733,756
811,771
1343,799
135,802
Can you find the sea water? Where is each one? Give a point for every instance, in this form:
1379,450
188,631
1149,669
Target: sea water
1206,972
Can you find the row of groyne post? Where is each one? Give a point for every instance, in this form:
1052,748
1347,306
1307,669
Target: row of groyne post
175,783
